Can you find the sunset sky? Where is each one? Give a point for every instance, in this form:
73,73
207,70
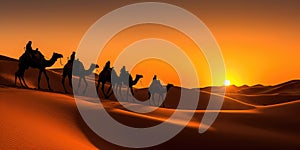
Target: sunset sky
259,40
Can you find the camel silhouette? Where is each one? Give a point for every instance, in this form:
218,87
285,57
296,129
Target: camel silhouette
157,88
105,76
76,68
129,82
35,60
116,81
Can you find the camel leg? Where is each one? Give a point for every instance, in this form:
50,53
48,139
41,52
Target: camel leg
132,94
115,90
114,87
63,83
131,91
102,89
76,90
21,83
16,78
22,78
47,78
85,87
127,91
109,92
158,100
161,98
153,99
149,96
119,88
70,80
98,85
39,78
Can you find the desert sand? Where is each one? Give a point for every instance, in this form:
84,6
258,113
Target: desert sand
252,117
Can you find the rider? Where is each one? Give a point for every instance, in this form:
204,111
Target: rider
155,82
107,66
29,48
72,57
123,70
32,53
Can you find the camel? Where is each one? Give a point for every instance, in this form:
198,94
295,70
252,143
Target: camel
35,59
76,68
116,81
128,81
20,75
157,88
109,74
105,76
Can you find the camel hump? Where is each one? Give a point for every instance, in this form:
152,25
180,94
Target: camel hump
77,63
77,66
38,55
155,84
32,56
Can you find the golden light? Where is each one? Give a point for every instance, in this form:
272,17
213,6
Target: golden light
226,82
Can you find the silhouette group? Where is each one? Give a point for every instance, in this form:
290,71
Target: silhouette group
76,67
109,75
35,59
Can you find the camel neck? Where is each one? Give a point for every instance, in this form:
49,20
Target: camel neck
49,63
89,71
134,82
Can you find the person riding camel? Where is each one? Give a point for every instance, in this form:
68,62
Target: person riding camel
107,66
72,57
155,82
32,53
28,47
124,72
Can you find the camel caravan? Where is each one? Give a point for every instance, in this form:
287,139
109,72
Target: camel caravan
35,59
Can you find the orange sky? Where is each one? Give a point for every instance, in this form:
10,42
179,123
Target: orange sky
259,40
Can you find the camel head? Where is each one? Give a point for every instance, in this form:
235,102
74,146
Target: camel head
57,55
169,86
139,76
94,66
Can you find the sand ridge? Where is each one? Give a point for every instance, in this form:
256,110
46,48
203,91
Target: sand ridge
35,119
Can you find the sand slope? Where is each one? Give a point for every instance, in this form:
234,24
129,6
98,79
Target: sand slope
39,120
252,117
34,119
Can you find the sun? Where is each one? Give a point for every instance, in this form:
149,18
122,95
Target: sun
226,82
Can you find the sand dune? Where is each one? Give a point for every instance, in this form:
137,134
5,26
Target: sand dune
264,99
8,69
173,97
35,119
32,119
252,117
290,87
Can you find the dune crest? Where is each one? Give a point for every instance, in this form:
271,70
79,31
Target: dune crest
252,117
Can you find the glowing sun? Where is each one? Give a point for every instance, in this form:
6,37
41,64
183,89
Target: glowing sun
226,82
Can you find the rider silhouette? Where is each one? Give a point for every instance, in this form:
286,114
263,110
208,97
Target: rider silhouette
29,48
156,83
33,54
107,66
123,70
72,57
